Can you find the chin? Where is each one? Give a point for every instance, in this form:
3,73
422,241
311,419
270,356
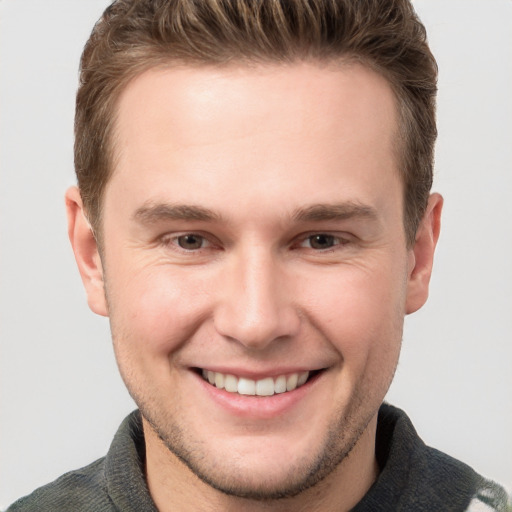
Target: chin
262,468
259,480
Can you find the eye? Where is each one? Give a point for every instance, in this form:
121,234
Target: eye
322,241
191,241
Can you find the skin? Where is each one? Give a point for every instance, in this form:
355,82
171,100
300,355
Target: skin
242,157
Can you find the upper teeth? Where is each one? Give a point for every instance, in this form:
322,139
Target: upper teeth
263,387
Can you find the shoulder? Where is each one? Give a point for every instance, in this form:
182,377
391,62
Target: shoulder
114,482
82,489
417,477
451,477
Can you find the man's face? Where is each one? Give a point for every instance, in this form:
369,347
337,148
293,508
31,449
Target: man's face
253,233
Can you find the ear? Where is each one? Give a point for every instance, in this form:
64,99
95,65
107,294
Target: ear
421,255
86,252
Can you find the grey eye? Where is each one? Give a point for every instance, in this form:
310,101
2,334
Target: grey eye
190,242
322,241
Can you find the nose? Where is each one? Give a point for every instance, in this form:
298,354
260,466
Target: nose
256,306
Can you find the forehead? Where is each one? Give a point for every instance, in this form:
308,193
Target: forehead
180,97
256,128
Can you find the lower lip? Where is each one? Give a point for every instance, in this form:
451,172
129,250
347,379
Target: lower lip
259,407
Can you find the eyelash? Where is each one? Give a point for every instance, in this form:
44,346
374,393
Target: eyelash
338,242
173,240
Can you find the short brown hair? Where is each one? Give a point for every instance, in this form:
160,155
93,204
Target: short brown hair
135,35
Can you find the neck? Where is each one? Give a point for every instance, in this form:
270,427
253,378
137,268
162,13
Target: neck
173,486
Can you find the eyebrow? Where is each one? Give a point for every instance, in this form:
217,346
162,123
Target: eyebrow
342,211
150,213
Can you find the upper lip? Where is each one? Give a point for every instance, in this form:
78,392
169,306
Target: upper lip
260,373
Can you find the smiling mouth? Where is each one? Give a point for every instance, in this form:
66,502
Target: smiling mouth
267,386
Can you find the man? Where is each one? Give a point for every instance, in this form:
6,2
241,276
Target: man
253,215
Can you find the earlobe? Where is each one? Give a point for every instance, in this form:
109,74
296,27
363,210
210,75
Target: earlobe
422,255
86,252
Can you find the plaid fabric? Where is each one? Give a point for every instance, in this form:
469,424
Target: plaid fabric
491,498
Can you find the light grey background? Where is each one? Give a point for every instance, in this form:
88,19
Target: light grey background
61,397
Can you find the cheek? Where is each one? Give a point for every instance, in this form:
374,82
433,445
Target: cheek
360,312
155,311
